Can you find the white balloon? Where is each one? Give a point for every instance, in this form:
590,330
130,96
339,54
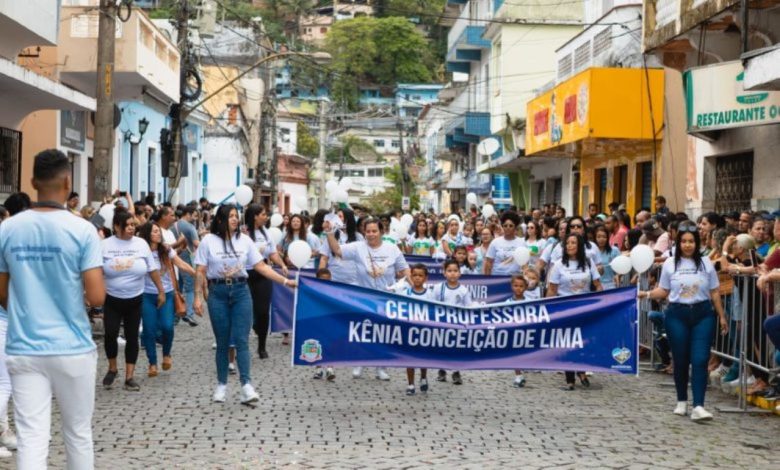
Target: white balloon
488,210
302,202
521,255
471,198
621,264
401,231
345,183
331,186
276,235
244,195
299,253
276,220
341,195
107,212
407,220
642,257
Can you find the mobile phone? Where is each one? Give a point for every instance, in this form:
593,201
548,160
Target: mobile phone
123,193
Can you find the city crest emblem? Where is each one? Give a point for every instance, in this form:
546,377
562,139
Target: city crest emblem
621,355
311,350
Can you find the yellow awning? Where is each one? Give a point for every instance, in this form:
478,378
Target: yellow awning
598,103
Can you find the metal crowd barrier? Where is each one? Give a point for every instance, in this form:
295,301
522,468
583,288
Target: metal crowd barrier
745,344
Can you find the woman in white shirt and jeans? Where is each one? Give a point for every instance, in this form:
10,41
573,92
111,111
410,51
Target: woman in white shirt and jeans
221,262
690,282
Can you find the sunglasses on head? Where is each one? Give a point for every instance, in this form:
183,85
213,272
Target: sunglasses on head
687,228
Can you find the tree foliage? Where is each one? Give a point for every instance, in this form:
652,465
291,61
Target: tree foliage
423,11
306,143
382,51
390,198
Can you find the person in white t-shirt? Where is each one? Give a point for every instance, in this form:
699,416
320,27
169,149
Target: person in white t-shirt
690,282
453,293
260,287
500,260
573,274
378,265
454,238
575,226
50,265
155,318
127,260
416,290
221,261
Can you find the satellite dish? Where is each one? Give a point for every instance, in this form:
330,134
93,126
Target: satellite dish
488,146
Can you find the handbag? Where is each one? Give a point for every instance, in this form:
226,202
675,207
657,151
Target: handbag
179,303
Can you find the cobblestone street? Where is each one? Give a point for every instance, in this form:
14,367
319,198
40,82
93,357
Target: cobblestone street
486,423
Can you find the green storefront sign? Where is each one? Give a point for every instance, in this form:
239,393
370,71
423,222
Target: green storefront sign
716,99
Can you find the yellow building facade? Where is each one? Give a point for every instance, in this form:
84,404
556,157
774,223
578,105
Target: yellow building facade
611,121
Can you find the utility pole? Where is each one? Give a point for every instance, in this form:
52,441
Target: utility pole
323,136
402,160
177,110
104,112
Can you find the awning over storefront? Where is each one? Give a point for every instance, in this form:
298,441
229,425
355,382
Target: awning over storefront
597,105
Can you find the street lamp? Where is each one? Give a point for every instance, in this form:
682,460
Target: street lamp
143,125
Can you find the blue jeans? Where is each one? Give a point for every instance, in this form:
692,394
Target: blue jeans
690,329
157,320
230,311
772,330
187,287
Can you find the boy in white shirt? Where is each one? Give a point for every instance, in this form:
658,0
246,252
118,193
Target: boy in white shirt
452,292
418,290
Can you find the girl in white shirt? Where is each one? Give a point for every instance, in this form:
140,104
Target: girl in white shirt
690,282
573,274
452,292
221,261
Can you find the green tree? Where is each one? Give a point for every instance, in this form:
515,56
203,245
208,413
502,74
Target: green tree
391,197
306,144
382,51
423,11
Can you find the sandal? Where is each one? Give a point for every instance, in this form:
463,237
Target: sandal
167,363
152,371
584,380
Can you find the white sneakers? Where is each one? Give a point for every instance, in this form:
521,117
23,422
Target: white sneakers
735,383
681,409
700,414
219,393
381,373
248,394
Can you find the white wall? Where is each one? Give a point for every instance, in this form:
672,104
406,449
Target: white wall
287,141
546,171
222,155
27,23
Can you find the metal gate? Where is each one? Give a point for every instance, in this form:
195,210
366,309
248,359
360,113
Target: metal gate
733,182
10,160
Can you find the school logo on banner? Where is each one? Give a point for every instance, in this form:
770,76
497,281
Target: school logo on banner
621,355
311,350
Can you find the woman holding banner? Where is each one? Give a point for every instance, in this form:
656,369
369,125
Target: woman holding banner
260,287
690,282
573,274
221,260
377,265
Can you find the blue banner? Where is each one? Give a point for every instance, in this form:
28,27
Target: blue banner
484,289
342,325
